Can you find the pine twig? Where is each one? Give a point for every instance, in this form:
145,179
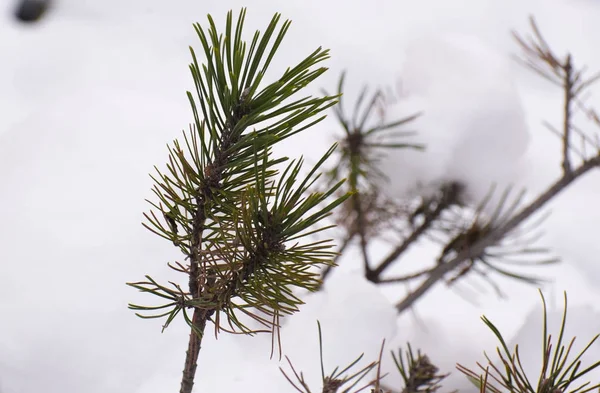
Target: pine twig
561,369
419,374
539,57
362,228
568,98
199,283
338,379
404,278
450,195
220,199
199,320
361,146
493,236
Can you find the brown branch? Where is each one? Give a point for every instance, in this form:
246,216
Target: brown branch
361,227
416,234
199,317
199,279
540,58
405,278
494,235
191,359
568,98
450,194
543,61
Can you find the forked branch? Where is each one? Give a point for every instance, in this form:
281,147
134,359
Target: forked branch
539,57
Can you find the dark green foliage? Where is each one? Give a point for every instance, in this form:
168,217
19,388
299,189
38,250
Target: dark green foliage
239,216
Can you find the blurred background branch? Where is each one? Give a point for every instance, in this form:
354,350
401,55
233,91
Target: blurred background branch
492,237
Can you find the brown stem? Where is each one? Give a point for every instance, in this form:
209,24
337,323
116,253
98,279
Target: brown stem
568,92
449,196
405,278
361,227
198,278
355,143
493,236
200,316
191,356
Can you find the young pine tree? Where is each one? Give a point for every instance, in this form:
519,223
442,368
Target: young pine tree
239,213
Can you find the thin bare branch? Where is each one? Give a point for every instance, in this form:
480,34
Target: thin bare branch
405,278
568,98
450,196
361,224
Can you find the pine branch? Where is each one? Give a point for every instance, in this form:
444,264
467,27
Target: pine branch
405,278
558,372
199,320
419,374
361,147
345,379
362,227
241,224
212,185
568,98
494,236
450,196
540,58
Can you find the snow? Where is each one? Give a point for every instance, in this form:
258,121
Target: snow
349,307
370,320
91,96
473,122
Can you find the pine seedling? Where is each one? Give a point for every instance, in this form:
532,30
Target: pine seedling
418,373
346,380
560,372
241,216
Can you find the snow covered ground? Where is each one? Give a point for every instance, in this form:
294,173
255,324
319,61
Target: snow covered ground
89,98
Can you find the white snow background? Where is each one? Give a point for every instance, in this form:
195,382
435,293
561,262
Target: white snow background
90,96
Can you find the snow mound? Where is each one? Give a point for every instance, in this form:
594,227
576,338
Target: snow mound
355,318
473,123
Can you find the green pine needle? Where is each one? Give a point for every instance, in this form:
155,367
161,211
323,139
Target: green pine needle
242,216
